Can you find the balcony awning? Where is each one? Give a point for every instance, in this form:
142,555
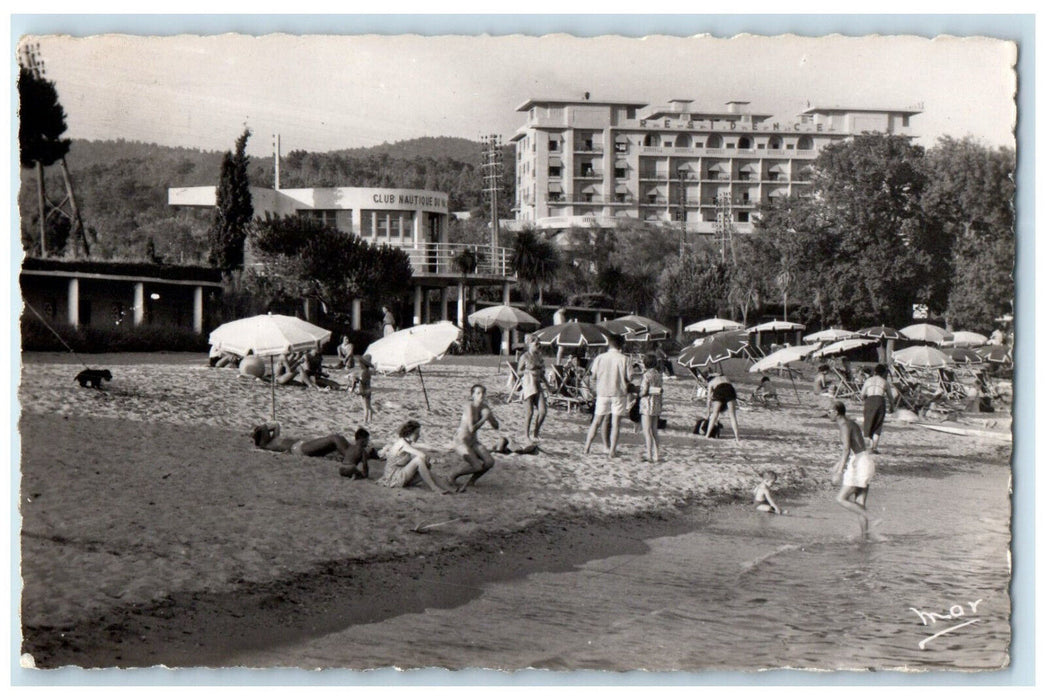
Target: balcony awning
656,190
718,168
554,162
779,192
555,188
590,189
778,168
620,138
623,164
621,189
750,168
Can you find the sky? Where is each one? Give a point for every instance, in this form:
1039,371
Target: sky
331,92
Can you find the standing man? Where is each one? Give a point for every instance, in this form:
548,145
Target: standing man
859,468
610,373
388,321
531,368
878,398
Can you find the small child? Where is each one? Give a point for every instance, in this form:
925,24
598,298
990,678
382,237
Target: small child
363,386
355,459
765,392
763,500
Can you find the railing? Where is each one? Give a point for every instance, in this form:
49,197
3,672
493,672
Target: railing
440,259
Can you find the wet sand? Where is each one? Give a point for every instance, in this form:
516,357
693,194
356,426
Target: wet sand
154,533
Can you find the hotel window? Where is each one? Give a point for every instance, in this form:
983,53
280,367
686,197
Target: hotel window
554,171
904,120
387,225
742,216
620,172
631,113
553,144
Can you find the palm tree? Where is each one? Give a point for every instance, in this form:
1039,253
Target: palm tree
465,262
535,260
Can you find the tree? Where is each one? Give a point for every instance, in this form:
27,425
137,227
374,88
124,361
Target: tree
41,123
535,260
233,209
692,286
303,259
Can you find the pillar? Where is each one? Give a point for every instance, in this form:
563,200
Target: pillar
426,310
139,303
506,293
679,328
73,310
197,309
417,304
444,297
357,312
461,306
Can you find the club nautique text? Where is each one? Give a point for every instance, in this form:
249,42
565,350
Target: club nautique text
411,199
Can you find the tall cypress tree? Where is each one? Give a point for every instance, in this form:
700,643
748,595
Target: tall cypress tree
41,123
233,211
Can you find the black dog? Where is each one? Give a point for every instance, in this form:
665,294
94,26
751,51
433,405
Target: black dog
94,377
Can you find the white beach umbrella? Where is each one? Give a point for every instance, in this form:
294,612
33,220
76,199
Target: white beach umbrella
922,357
713,325
844,346
771,326
829,335
782,358
268,335
504,317
927,333
413,347
967,339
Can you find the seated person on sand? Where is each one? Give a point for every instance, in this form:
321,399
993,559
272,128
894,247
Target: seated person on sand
405,463
222,358
287,367
355,459
267,437
345,354
761,496
477,459
822,384
765,392
311,373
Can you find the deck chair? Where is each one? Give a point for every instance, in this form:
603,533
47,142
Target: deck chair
844,386
514,385
766,399
574,392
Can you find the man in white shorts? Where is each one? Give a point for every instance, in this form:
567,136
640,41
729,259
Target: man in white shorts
609,371
855,468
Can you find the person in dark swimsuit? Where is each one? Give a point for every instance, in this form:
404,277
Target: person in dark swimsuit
721,397
267,437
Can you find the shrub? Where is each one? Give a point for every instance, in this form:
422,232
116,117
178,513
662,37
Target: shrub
152,338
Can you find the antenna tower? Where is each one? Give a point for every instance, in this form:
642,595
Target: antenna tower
492,166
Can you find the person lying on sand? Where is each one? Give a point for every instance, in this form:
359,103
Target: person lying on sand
355,460
477,459
267,437
405,463
761,496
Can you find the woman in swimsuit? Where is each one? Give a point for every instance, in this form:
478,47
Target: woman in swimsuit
267,437
721,397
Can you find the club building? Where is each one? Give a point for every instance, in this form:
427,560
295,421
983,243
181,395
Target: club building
413,220
587,163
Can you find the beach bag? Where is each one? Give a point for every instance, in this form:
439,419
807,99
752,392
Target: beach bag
702,426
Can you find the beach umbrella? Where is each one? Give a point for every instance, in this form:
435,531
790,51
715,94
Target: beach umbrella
714,325
882,333
772,326
736,340
927,333
921,357
842,347
707,354
413,347
998,354
504,317
963,356
637,328
573,334
782,358
967,339
268,335
829,335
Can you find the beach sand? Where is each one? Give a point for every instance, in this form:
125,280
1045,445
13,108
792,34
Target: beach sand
153,532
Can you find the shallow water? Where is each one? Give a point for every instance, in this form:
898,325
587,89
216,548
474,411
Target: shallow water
741,590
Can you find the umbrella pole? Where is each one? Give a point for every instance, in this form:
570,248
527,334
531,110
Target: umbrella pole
272,374
422,378
792,377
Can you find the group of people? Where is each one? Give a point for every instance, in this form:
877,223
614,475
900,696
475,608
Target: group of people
407,460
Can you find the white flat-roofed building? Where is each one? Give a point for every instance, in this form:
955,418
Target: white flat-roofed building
590,163
413,220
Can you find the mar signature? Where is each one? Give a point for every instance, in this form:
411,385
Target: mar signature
955,612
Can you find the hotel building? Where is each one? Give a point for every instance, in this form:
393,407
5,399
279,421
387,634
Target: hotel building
587,163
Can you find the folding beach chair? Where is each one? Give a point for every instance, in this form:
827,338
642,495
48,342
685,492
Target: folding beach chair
766,399
514,385
844,386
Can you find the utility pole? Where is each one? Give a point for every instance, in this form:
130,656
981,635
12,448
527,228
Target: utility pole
492,166
723,227
681,172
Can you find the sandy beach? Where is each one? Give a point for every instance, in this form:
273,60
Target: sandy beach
153,531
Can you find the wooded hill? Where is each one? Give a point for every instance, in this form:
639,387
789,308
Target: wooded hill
121,188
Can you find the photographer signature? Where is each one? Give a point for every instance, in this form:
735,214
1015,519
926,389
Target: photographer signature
955,612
